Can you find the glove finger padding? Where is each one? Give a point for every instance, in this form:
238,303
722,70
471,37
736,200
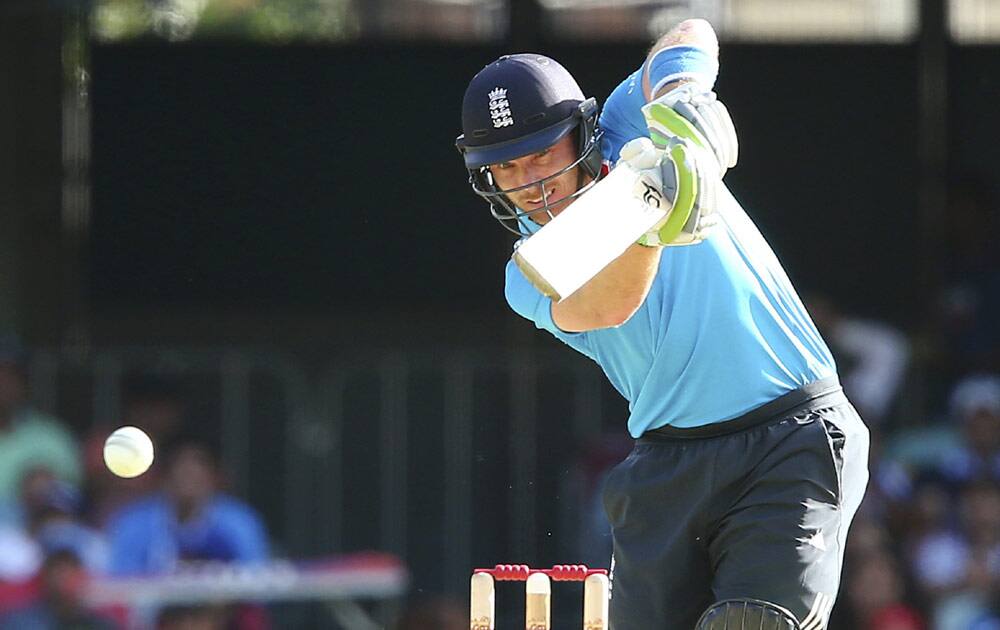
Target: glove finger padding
728,131
694,112
721,132
683,177
701,218
664,123
679,174
656,187
640,153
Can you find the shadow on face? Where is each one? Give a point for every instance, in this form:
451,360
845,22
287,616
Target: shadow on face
192,475
544,198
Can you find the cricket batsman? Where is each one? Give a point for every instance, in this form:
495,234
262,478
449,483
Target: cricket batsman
733,508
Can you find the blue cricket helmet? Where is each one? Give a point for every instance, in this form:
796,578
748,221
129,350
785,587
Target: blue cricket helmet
519,105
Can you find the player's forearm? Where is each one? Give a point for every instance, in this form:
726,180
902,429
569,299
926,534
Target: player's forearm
611,297
694,32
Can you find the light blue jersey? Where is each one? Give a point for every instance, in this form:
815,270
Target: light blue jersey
721,332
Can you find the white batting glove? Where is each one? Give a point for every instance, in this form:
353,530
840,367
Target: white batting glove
685,179
694,112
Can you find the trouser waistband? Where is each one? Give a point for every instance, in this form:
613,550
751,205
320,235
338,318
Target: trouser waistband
822,393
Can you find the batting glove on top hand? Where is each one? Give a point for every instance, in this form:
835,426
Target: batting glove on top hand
693,111
682,176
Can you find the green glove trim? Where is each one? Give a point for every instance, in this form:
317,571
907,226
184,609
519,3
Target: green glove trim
687,192
664,122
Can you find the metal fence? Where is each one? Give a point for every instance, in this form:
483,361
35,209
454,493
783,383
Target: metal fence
448,459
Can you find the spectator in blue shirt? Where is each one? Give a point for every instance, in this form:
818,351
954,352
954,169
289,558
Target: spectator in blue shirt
189,521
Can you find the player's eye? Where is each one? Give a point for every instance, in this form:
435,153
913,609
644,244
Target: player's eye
504,165
543,153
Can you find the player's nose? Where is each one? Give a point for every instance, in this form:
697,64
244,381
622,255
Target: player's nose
531,175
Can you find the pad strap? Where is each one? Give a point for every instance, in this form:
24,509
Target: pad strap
747,614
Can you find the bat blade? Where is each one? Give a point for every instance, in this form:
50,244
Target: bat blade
568,251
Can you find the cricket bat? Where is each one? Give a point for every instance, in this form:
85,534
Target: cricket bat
593,231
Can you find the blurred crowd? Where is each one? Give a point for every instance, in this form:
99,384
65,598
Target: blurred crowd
65,519
924,553
925,548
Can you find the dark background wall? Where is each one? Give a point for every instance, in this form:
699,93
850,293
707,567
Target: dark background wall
325,178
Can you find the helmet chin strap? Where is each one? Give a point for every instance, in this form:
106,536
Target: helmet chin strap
545,201
579,179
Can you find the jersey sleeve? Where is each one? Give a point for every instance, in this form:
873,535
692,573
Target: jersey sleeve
529,303
131,534
621,117
244,533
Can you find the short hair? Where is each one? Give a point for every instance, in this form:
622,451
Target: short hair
191,441
145,386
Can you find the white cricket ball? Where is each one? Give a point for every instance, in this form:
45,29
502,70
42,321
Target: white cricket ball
128,452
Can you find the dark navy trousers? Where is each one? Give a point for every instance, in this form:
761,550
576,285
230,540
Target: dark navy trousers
756,507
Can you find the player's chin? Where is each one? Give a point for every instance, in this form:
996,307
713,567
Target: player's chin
543,214
558,206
